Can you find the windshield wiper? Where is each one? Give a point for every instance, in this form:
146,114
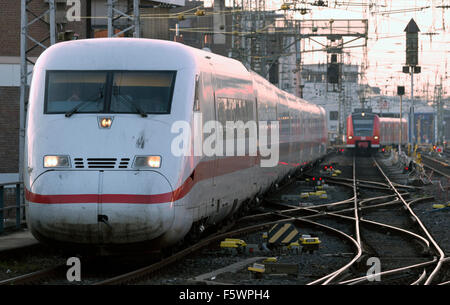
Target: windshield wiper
138,109
78,106
75,109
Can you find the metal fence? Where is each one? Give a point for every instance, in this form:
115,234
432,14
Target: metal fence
10,205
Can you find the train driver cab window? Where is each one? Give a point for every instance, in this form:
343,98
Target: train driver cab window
142,92
75,91
363,125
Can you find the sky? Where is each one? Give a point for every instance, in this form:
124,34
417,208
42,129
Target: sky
387,40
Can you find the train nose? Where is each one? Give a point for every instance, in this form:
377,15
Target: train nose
99,207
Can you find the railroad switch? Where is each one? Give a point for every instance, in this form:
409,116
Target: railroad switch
321,194
270,260
273,268
309,243
304,195
257,270
233,245
440,206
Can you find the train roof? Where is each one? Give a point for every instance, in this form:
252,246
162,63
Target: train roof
261,81
129,54
391,120
142,54
363,114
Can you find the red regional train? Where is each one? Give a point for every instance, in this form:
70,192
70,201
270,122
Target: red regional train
363,131
367,131
390,131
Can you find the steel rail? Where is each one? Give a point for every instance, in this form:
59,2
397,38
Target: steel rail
340,270
422,226
357,233
372,182
293,209
373,206
420,279
435,160
392,271
434,168
355,194
417,236
358,241
332,275
386,204
145,271
34,276
363,201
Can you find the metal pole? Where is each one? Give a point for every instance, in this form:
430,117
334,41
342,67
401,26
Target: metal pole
23,83
137,19
52,7
110,18
400,140
1,209
412,122
340,135
436,118
18,207
233,20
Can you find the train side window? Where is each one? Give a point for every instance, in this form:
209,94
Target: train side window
221,110
197,93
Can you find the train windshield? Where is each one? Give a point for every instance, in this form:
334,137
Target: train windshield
363,127
141,92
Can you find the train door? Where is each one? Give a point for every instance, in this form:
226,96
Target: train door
221,112
207,94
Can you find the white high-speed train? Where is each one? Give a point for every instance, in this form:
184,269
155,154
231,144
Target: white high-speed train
100,167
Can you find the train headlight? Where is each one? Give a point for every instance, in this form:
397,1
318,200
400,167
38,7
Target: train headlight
105,122
56,161
375,137
147,161
350,137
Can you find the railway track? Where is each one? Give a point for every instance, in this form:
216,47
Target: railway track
362,247
353,205
437,248
347,219
437,166
425,238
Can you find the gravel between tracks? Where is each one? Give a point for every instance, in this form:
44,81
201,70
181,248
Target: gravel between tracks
311,266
